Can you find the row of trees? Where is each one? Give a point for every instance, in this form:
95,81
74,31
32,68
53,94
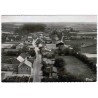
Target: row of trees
30,28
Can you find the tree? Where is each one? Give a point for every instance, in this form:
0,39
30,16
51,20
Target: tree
25,49
76,48
13,47
56,34
59,62
32,52
27,28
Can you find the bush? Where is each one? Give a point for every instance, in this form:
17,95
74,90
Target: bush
32,52
69,78
59,62
49,80
66,78
13,47
12,53
46,74
18,79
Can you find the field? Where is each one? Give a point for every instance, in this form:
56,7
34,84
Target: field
77,68
81,41
90,43
92,49
8,59
7,45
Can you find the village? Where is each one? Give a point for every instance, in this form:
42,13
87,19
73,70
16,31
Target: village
67,56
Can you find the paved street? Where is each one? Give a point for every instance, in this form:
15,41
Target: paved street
37,65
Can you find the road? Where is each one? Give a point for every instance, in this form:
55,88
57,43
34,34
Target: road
37,65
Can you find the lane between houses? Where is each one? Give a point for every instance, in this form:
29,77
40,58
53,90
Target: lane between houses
37,65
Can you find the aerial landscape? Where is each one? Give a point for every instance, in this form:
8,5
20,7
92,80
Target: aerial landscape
49,52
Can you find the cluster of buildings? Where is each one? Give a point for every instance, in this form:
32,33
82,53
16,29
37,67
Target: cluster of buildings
10,37
16,60
21,65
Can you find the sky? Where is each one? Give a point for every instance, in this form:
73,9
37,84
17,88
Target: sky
46,18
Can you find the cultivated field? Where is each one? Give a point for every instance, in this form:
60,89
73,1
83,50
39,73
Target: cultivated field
77,68
89,43
92,49
81,41
8,59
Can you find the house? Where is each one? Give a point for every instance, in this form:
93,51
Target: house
48,40
20,46
39,40
59,43
30,38
30,47
25,67
22,57
40,45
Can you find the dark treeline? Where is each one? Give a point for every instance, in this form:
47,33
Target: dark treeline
30,28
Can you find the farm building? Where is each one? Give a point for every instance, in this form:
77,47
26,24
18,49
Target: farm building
25,67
